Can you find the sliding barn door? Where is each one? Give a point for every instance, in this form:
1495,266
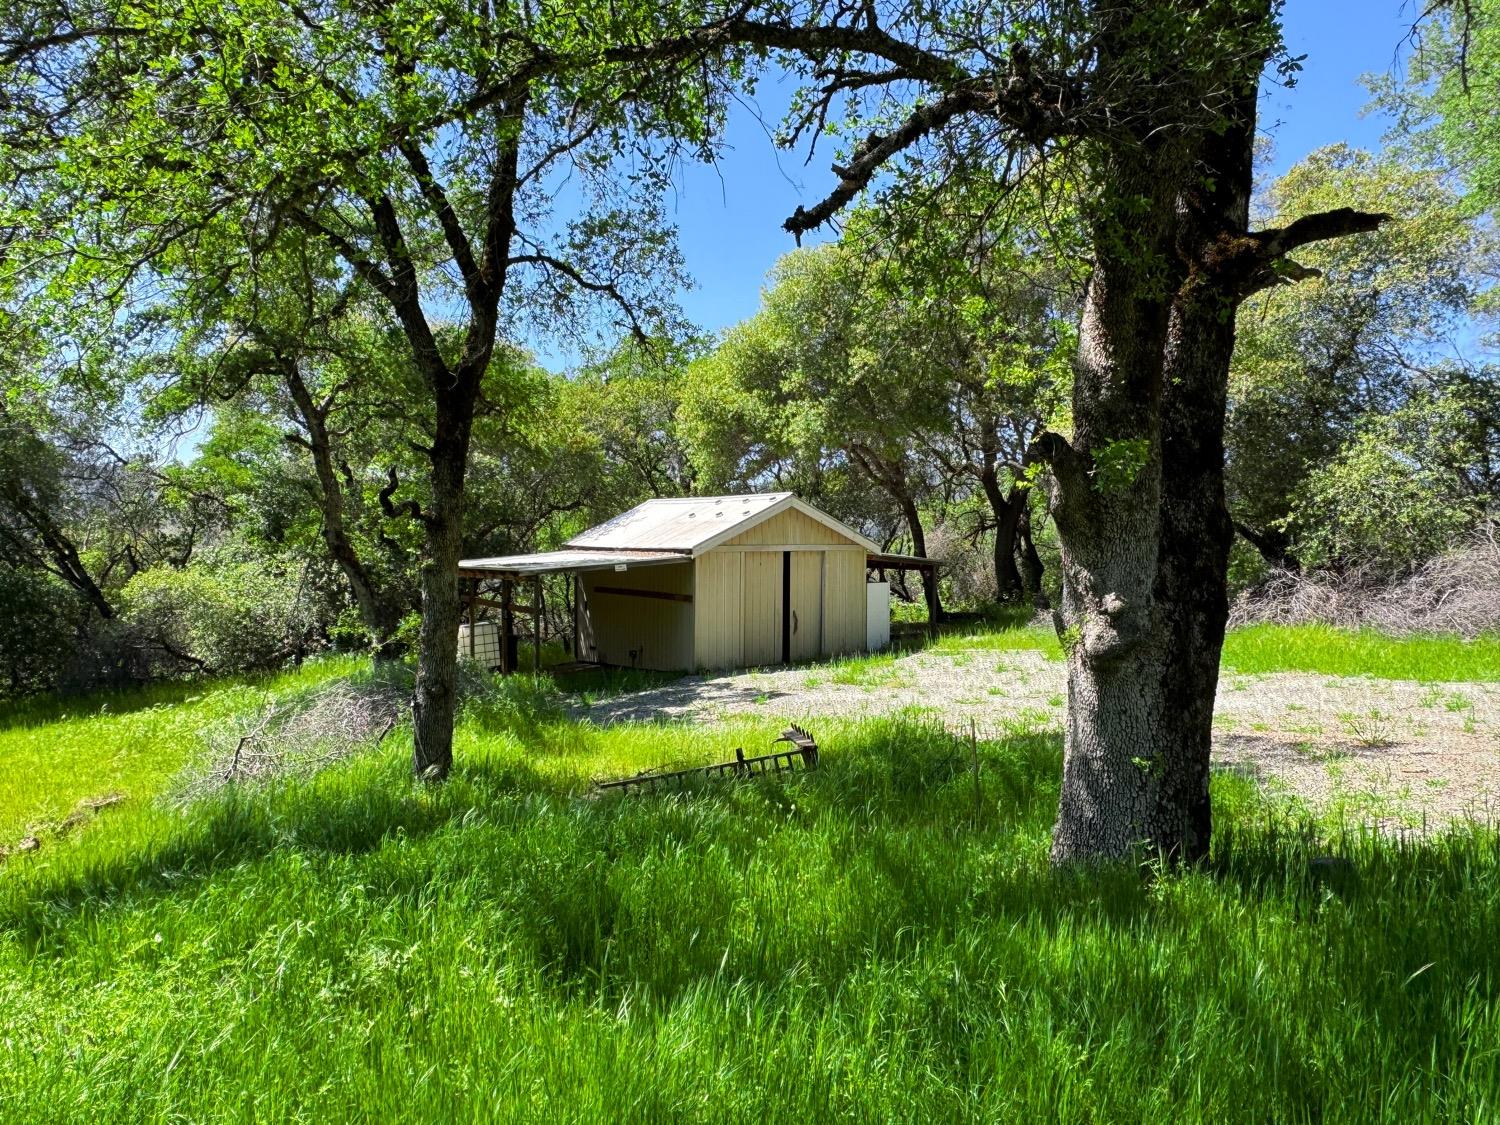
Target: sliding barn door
762,606
805,582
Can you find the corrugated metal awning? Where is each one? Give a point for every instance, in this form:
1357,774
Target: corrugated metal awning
562,562
902,562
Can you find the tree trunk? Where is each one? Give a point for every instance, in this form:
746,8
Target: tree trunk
914,527
1141,689
436,694
379,612
1006,508
1274,546
1031,562
1112,803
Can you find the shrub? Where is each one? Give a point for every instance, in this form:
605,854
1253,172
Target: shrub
222,615
1456,592
38,623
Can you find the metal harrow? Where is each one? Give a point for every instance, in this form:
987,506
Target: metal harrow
804,750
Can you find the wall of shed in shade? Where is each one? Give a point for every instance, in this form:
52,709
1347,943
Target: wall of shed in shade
737,606
631,630
845,603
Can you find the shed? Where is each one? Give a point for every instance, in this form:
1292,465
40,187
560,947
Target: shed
707,582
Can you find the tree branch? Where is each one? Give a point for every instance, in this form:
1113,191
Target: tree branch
453,231
606,288
393,511
25,48
872,153
1246,264
1338,223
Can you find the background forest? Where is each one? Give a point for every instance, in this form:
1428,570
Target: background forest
191,491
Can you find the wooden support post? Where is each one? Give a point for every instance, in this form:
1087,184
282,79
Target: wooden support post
473,585
536,626
929,586
507,624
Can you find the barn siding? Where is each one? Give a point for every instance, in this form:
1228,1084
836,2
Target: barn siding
735,616
789,528
807,604
762,607
719,623
844,603
660,632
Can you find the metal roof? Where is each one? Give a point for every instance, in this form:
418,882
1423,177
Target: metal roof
699,523
555,562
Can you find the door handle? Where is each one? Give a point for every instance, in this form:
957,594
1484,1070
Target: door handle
794,621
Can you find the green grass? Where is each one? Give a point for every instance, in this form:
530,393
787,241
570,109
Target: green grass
870,942
1295,648
1344,652
57,752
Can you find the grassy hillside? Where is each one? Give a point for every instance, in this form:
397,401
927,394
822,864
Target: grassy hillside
880,940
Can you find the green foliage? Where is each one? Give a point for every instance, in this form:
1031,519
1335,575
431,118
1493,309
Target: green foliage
1321,364
869,941
1448,107
38,630
1376,507
1247,568
903,369
626,409
222,614
1117,464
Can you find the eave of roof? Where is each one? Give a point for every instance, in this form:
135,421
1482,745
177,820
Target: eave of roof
902,562
698,524
572,560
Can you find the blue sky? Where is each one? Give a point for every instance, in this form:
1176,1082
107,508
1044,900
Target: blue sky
730,216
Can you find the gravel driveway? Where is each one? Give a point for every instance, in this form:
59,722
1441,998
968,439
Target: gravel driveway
1396,753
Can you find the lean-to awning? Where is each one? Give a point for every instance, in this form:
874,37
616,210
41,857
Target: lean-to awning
566,561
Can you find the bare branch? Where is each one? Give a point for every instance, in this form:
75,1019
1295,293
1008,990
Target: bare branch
605,288
877,148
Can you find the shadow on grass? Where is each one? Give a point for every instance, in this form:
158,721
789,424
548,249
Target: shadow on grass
885,847
336,813
891,777
43,709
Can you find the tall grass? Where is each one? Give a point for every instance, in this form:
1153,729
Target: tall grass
57,751
873,941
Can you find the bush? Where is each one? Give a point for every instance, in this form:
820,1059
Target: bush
222,615
1457,592
38,623
968,568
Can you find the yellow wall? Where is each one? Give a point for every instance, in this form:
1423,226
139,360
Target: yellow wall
761,600
718,627
789,528
844,603
807,604
737,605
734,619
660,632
